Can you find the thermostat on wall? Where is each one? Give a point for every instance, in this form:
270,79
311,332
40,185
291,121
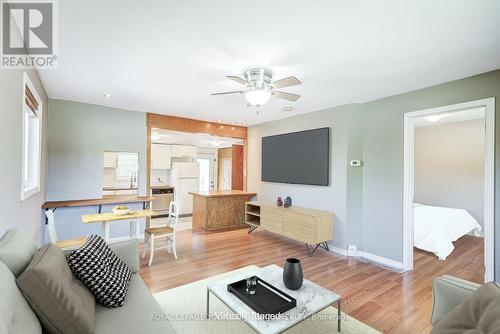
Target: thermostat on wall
355,163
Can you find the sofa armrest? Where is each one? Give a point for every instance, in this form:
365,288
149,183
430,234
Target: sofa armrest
448,292
128,252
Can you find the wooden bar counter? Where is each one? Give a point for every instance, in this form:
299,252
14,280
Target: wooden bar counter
219,209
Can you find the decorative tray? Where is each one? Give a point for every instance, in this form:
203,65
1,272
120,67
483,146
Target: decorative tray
267,299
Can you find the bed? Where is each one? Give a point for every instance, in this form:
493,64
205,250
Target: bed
435,228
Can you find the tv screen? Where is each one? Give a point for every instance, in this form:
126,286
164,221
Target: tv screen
299,157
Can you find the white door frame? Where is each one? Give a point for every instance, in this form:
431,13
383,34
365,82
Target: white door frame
489,180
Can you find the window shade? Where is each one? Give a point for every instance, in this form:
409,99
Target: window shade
30,101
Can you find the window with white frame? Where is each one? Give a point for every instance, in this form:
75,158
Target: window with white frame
32,140
128,164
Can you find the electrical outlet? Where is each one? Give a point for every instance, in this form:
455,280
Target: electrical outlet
355,163
352,250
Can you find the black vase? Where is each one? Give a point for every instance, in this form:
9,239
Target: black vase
292,274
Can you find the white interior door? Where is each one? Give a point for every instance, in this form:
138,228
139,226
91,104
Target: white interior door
206,164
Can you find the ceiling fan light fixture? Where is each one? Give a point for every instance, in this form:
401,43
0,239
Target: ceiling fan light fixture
258,97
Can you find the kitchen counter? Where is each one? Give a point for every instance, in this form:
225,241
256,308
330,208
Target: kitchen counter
107,199
219,209
162,187
117,189
223,193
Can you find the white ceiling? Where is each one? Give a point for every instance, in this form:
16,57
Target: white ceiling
166,56
453,117
186,138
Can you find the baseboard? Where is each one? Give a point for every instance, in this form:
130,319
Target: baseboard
338,250
382,261
372,258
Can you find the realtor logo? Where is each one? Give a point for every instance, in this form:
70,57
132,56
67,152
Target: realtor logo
28,34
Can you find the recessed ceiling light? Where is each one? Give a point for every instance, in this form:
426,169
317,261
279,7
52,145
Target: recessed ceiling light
214,143
107,95
287,109
433,118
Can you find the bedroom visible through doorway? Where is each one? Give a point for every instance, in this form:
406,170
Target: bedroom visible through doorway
448,200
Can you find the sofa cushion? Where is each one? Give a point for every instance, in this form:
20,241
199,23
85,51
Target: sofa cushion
106,276
478,313
140,313
16,317
128,252
60,301
16,251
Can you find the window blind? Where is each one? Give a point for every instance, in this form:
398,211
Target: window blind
30,101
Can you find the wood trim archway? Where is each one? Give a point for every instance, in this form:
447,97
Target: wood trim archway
175,123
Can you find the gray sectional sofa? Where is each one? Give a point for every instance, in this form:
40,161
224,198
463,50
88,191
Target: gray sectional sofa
460,306
16,316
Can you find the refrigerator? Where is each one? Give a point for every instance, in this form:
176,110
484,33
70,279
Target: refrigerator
184,177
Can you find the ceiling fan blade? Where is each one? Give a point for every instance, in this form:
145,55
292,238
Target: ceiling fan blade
237,79
233,92
286,96
286,82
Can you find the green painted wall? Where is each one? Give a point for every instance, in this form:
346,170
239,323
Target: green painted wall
25,215
373,132
79,133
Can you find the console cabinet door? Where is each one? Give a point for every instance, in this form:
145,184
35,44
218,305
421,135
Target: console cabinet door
271,220
299,227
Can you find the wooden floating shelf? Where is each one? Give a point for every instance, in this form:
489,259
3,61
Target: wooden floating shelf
252,214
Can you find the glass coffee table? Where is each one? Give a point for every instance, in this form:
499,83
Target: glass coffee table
311,299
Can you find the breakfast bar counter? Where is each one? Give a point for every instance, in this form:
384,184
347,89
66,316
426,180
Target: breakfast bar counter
219,209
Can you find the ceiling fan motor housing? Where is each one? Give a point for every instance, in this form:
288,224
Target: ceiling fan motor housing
258,77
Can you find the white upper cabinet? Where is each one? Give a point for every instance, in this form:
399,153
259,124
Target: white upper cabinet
184,151
110,159
161,156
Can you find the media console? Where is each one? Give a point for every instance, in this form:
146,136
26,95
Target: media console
311,226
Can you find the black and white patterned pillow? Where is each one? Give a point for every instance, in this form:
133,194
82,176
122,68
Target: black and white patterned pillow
104,274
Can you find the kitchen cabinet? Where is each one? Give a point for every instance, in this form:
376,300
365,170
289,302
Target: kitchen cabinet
184,151
161,156
110,159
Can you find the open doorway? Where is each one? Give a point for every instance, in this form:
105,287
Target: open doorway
448,185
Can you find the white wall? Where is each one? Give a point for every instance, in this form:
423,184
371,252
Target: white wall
449,166
332,197
25,215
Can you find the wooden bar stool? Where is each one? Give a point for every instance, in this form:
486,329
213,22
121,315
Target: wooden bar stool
67,244
167,231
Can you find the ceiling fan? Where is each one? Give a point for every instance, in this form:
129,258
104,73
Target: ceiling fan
260,87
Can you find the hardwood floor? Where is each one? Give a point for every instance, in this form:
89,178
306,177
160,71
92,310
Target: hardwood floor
386,300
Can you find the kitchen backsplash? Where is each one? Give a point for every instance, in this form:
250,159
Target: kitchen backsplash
162,174
109,180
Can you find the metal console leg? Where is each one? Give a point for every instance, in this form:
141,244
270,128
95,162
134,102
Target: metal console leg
339,325
208,303
323,245
251,228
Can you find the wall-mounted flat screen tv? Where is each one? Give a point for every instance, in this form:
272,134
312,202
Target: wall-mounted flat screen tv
299,157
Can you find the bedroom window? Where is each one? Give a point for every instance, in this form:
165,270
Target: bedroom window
32,134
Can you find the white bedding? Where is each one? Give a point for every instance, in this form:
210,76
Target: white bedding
435,228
